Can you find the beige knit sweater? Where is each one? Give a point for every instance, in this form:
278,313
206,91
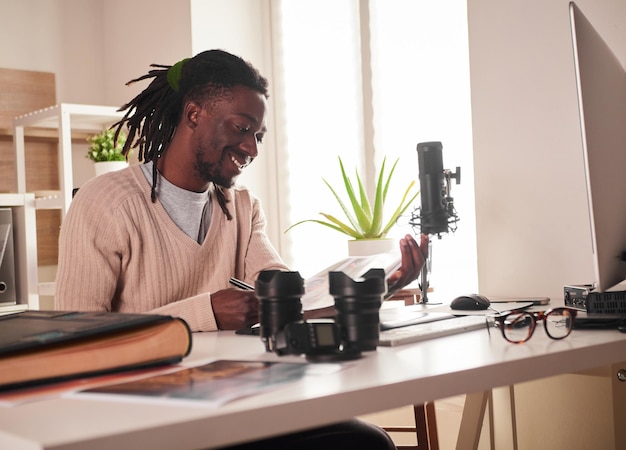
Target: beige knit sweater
118,251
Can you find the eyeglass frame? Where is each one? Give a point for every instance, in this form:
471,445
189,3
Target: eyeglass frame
535,315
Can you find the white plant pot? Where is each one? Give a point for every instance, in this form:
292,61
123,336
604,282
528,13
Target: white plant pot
109,166
368,247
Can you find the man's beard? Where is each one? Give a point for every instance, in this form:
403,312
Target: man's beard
212,172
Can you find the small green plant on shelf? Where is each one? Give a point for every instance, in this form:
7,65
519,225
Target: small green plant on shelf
102,146
364,218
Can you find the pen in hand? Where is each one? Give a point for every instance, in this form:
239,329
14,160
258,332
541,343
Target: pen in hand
254,330
241,284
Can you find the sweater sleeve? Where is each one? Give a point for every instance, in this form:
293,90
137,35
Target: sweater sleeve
196,311
89,257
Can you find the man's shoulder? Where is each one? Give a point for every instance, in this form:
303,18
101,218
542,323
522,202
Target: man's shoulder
241,189
242,195
114,187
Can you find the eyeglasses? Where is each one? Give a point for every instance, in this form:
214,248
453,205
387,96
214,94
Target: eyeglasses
518,326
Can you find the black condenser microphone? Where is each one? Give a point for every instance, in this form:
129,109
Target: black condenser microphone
437,210
436,214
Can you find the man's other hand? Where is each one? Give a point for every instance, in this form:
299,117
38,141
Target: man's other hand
413,259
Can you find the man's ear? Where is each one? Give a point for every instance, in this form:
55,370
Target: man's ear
190,114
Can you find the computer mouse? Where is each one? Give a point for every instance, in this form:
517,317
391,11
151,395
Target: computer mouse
470,302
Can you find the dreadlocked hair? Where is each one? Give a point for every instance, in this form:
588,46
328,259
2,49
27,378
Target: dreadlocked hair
153,115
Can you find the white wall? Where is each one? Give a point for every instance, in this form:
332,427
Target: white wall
30,35
532,220
532,224
79,74
136,34
93,46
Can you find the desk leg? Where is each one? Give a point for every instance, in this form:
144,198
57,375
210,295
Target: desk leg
472,420
503,411
618,388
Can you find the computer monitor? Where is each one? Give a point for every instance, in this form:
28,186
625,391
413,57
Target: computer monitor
601,86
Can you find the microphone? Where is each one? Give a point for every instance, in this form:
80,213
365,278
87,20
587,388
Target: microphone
437,214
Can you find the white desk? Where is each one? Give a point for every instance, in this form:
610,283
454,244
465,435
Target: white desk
388,378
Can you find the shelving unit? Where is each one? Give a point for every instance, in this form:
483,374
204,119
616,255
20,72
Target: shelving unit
65,119
24,220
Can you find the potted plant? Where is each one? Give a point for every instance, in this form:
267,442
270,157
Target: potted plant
365,220
105,152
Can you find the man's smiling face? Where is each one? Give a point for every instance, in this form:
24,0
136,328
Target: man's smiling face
227,135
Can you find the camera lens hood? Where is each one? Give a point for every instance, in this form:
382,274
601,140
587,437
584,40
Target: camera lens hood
279,284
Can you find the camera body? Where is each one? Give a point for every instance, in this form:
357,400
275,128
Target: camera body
310,337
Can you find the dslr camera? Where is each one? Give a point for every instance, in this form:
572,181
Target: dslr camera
355,328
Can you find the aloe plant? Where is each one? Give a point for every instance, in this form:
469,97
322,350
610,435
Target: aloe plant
364,220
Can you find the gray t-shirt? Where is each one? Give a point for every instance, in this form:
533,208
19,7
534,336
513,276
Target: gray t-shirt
190,211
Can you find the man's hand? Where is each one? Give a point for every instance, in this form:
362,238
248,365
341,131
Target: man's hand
413,258
235,308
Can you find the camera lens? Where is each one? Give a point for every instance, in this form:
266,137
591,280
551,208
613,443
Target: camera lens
358,305
279,294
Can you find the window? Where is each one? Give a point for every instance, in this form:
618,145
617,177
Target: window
416,55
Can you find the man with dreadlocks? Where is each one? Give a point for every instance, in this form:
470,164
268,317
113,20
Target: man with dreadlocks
165,236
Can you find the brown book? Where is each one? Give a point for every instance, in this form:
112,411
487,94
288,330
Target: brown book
45,346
